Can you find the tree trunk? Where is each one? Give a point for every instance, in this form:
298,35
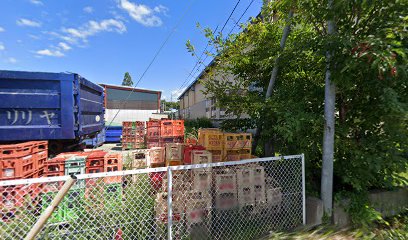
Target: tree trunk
328,137
274,73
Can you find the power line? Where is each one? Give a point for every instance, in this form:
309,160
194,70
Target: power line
199,59
150,64
241,17
233,10
154,58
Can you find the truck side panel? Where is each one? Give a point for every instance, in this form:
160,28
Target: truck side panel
48,106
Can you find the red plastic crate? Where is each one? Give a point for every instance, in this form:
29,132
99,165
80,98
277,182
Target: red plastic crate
18,167
178,128
156,180
95,162
133,125
94,154
153,124
132,139
112,163
166,128
16,150
40,158
97,169
187,152
128,146
55,167
153,132
19,196
40,146
153,142
191,141
35,174
165,140
178,139
133,132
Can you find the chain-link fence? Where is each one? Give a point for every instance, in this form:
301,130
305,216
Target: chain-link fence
227,200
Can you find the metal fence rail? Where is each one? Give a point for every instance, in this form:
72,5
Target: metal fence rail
227,200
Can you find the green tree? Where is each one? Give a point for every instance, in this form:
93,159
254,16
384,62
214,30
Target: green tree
127,80
170,105
368,65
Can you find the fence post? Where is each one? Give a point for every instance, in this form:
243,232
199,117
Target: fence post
169,203
303,189
50,209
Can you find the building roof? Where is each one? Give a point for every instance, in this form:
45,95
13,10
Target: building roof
259,16
129,88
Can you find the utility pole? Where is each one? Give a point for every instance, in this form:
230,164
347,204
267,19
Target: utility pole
329,117
274,74
171,100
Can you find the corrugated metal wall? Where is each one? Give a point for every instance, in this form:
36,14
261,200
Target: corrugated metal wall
120,99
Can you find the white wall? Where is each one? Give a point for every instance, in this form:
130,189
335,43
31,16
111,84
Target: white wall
127,115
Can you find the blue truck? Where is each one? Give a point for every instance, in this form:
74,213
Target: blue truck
63,108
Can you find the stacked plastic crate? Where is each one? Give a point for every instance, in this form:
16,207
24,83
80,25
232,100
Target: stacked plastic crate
95,161
171,131
133,135
139,159
202,178
23,160
112,163
212,140
153,134
225,190
174,154
245,187
244,143
70,207
226,146
161,132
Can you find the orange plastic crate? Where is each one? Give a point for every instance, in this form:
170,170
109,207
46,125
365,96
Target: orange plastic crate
178,128
112,163
18,167
166,128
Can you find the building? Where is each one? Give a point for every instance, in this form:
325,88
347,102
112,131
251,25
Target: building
195,104
130,104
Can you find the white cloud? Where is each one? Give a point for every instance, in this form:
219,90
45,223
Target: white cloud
64,46
161,9
142,14
50,53
2,47
92,28
35,37
2,29
28,23
79,36
11,60
88,9
36,2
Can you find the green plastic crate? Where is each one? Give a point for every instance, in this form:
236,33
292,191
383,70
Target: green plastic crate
70,208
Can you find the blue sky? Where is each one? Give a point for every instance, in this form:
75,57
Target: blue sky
103,39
